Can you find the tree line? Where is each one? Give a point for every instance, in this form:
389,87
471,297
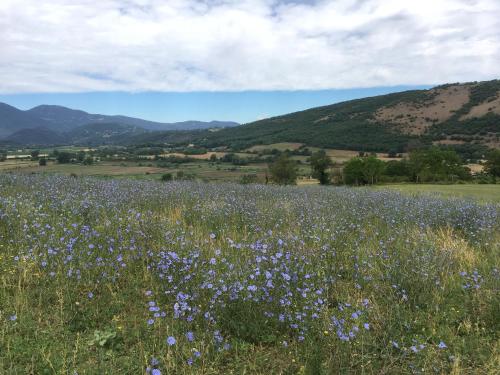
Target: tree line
429,165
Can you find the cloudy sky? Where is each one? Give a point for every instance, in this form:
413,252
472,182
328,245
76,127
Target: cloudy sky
233,46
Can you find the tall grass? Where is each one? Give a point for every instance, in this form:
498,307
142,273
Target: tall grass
129,277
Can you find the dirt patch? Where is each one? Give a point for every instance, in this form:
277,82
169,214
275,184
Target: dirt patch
483,109
415,118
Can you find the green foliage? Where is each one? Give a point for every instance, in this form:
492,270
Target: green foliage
395,168
492,165
103,338
89,160
42,162
284,171
320,162
468,151
353,171
64,157
363,170
35,154
167,177
233,159
434,164
249,179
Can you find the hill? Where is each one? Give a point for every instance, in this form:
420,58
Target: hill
453,114
103,133
13,119
62,120
36,136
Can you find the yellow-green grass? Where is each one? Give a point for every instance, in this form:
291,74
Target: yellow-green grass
139,170
483,193
276,146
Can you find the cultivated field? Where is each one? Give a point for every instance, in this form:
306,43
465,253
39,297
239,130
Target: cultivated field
127,276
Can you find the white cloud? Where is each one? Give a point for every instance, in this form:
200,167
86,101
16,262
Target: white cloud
188,45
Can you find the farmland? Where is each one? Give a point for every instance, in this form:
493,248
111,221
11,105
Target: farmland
117,276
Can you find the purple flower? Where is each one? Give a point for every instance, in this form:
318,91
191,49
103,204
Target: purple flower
367,326
13,317
190,336
442,345
90,295
156,372
171,340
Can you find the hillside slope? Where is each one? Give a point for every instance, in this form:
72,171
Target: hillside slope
13,119
450,114
62,120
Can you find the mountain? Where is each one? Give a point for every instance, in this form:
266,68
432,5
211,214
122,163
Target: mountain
36,136
63,120
13,119
454,114
68,119
103,133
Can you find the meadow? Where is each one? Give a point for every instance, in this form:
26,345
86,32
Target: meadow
123,276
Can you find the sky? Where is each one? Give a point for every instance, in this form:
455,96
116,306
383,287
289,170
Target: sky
172,60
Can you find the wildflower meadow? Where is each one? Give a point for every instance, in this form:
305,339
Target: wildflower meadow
102,276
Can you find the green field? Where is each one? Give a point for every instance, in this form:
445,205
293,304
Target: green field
483,193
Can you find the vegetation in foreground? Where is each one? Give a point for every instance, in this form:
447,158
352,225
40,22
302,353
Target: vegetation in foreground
122,276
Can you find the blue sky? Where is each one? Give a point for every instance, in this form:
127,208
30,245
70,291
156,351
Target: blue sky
204,106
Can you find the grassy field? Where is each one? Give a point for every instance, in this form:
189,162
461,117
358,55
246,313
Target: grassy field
483,193
139,170
122,276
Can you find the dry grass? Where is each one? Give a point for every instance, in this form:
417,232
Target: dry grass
278,146
413,118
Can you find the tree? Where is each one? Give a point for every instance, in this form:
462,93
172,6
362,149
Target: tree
372,169
3,155
320,162
213,158
366,170
89,160
42,162
353,171
435,164
284,171
35,154
492,165
64,157
167,177
80,157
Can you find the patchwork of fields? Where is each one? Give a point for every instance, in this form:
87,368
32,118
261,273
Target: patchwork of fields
127,276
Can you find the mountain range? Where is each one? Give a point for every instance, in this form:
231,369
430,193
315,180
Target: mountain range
52,125
458,115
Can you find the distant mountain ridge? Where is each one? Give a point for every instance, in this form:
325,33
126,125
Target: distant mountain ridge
64,122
